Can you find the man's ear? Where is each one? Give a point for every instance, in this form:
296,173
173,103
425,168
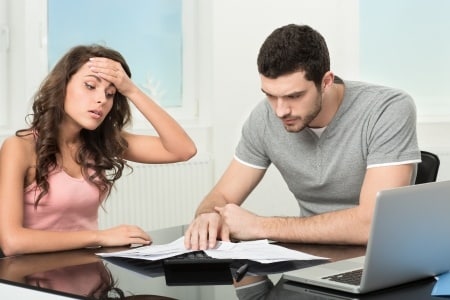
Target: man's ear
327,80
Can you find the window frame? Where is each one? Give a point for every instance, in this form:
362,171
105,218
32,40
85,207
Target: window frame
4,49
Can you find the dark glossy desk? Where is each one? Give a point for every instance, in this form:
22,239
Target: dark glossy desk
81,274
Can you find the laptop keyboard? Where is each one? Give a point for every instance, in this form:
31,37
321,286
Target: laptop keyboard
351,277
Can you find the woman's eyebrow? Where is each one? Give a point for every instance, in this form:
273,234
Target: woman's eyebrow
98,79
95,77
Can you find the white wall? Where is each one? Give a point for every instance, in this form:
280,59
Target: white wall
238,30
231,32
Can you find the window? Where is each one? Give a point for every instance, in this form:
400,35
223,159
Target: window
147,33
156,37
405,44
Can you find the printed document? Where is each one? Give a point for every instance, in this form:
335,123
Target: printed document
260,250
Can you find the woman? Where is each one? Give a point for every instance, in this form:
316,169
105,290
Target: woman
55,174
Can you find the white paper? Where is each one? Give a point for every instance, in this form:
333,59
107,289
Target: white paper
151,252
260,250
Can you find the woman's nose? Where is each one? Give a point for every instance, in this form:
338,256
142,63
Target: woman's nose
101,97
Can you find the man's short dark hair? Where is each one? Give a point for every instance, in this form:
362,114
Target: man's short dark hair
293,48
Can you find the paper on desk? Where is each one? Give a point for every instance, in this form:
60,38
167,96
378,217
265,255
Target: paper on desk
151,252
260,250
442,285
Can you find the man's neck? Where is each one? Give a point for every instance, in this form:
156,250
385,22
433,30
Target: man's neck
331,101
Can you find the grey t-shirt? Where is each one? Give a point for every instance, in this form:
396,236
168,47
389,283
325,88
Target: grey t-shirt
374,126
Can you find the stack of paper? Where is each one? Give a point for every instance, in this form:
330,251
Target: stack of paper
260,250
151,252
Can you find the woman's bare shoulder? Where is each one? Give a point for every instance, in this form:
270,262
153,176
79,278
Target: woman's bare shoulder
18,148
22,141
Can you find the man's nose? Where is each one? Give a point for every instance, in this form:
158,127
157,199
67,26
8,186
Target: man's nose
281,108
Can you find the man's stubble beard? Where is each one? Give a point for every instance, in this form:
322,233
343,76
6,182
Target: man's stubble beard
306,120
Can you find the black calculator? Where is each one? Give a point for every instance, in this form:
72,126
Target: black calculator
197,268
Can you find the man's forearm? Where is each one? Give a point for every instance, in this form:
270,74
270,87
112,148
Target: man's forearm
209,202
339,227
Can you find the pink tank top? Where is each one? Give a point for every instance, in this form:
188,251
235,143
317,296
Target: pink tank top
70,205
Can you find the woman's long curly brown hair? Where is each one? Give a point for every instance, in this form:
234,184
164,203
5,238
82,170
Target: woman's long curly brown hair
101,149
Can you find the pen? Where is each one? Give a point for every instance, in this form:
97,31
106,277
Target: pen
240,273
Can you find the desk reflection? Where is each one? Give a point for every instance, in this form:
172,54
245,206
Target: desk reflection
71,273
262,288
81,274
286,290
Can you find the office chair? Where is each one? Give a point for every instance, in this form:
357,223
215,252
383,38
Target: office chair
427,170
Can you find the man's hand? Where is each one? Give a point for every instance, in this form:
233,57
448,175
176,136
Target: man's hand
204,232
240,223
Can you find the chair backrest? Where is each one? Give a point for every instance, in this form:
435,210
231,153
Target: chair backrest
427,170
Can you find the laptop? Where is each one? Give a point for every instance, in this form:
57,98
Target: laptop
416,290
409,240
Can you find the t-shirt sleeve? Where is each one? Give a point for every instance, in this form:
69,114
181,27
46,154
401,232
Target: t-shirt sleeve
251,147
392,137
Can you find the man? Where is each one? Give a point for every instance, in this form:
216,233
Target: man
336,143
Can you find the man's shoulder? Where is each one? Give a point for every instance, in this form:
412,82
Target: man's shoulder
376,96
262,105
372,88
261,111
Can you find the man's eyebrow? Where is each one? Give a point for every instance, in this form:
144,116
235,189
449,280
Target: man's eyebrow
295,93
268,94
